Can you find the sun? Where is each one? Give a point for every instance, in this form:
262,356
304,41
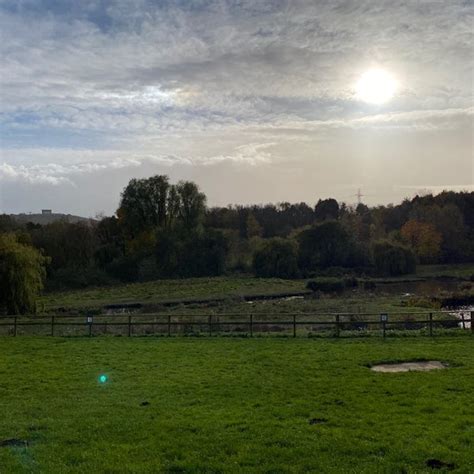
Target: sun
376,86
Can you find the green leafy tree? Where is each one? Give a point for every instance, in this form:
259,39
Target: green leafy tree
324,245
326,209
276,257
22,271
254,229
183,253
110,241
69,245
154,203
391,259
7,223
192,204
144,204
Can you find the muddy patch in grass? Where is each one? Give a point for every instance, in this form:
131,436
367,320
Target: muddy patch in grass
437,464
413,366
317,421
13,443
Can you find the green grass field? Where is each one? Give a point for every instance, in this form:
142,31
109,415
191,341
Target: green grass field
154,292
233,405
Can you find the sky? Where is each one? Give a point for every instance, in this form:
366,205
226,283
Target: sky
256,101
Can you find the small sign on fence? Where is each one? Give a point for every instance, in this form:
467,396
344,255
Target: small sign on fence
89,319
383,317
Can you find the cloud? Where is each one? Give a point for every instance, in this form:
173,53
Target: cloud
159,65
63,174
438,188
54,173
251,154
31,175
409,120
138,83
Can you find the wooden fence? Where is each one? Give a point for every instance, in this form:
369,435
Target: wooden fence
286,324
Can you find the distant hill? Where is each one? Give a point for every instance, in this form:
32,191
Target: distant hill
48,218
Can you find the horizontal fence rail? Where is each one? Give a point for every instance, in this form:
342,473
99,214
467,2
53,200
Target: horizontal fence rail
213,324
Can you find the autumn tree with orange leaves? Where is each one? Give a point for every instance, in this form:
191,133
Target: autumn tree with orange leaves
423,238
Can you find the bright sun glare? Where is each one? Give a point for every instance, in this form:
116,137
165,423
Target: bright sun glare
376,86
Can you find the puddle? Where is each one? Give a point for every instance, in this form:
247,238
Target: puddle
464,312
421,366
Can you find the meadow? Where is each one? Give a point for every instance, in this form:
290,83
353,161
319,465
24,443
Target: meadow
233,405
159,291
228,292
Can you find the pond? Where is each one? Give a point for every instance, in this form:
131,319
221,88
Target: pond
463,311
417,288
427,288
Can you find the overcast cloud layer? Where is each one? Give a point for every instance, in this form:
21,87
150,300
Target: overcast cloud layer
254,100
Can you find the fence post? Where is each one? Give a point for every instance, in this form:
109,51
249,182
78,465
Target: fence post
251,325
383,320
14,327
129,325
169,325
52,325
463,322
431,324
472,322
89,322
294,325
210,325
337,325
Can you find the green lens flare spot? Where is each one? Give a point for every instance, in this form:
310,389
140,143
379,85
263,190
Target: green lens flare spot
103,378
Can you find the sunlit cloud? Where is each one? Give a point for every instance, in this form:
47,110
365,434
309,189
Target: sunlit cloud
63,174
238,85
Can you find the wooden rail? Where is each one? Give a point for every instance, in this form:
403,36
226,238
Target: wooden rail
211,324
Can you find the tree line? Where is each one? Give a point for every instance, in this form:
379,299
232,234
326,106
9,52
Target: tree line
164,230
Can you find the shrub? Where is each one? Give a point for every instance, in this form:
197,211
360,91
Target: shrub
276,258
326,285
391,259
124,268
333,272
191,254
331,248
369,285
351,282
148,269
423,302
324,245
66,278
205,254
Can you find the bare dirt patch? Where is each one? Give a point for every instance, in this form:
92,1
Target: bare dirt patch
421,366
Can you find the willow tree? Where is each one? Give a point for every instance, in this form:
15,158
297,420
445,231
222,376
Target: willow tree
22,271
